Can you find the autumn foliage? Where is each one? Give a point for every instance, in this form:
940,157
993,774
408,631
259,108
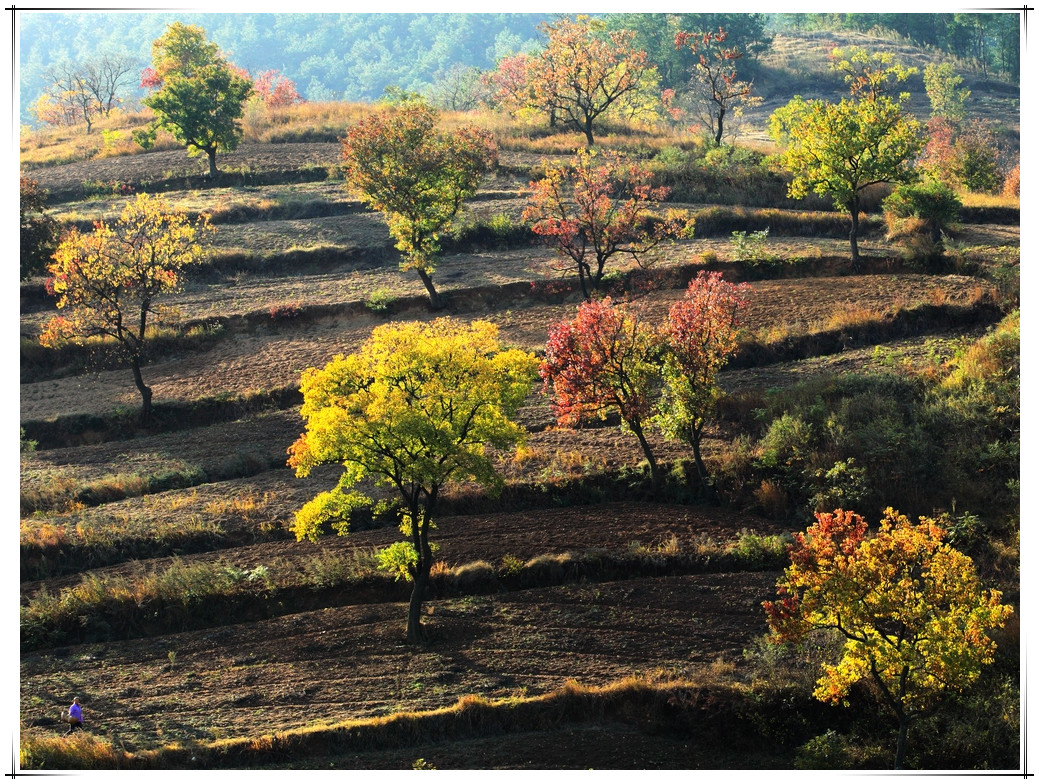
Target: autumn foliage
909,606
108,281
583,71
415,407
603,361
398,162
702,333
599,207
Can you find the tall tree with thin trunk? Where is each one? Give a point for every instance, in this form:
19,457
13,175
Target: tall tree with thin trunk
109,281
398,162
584,70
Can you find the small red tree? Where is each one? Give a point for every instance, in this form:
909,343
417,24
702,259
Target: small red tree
717,92
276,90
605,360
702,334
598,207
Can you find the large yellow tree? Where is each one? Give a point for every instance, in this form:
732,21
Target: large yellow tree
415,407
108,281
909,606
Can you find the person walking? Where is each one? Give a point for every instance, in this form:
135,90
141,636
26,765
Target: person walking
75,716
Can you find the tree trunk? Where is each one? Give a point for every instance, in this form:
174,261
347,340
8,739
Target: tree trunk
721,127
415,606
654,470
695,436
900,749
588,132
853,235
434,297
213,173
145,390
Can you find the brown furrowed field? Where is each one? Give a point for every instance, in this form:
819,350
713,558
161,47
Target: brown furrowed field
291,654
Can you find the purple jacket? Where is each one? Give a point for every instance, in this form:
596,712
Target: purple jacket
76,712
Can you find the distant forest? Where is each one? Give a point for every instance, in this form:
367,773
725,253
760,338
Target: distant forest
356,57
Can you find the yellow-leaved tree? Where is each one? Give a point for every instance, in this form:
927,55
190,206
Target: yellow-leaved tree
415,407
910,607
107,281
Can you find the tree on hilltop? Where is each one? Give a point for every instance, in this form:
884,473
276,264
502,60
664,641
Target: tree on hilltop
584,70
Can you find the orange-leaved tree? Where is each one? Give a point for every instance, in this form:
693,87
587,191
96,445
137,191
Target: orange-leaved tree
702,333
418,176
584,70
597,207
413,409
606,360
108,281
909,606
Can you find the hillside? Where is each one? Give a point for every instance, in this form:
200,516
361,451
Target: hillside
583,618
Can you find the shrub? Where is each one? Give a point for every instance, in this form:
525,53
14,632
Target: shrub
934,206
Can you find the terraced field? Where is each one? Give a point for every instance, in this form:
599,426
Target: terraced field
615,583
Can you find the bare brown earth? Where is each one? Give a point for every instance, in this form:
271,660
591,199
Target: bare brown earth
349,659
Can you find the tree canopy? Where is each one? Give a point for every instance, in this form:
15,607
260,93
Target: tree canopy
200,97
909,606
108,280
840,149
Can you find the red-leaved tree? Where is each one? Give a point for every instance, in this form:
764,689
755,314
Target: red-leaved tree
276,90
606,360
702,333
719,97
598,207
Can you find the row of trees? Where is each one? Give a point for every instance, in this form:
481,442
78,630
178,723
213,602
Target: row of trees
419,404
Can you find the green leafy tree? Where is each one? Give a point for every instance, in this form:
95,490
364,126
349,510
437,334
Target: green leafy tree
200,97
909,606
947,98
38,231
108,281
400,163
839,150
414,408
934,204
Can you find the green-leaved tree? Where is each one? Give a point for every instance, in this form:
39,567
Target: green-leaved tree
417,175
840,149
200,97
